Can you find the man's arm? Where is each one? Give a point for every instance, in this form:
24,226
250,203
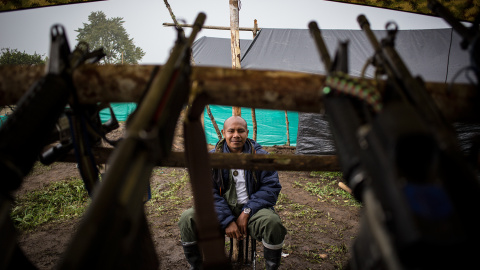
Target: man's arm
224,214
242,222
266,196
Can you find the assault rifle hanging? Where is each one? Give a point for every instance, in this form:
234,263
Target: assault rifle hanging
401,158
114,225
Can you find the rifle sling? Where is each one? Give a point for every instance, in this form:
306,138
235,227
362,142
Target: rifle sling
210,239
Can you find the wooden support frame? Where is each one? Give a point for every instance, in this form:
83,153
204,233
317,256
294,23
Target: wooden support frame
265,89
238,161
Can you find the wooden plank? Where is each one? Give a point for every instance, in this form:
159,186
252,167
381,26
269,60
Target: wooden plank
238,161
263,89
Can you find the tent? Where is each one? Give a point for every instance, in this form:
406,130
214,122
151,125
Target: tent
433,54
271,125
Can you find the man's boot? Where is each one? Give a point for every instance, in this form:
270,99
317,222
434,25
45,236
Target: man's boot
193,255
272,258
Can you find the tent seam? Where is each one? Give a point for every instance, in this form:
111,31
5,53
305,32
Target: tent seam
448,55
251,45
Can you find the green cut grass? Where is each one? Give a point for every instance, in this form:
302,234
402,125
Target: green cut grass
58,201
325,187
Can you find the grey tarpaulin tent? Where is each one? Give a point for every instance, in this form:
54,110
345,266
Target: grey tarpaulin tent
433,54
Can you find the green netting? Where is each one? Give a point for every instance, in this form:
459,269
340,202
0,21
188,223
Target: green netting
121,111
3,118
271,125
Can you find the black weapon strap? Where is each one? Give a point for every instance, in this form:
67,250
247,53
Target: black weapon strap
210,239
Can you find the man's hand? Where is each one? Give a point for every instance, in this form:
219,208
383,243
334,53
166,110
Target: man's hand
242,222
232,231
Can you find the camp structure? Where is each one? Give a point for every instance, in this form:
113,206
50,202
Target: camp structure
433,54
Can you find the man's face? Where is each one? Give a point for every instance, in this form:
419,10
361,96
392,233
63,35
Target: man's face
235,133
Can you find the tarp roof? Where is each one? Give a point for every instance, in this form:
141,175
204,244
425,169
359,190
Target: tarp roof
434,54
209,51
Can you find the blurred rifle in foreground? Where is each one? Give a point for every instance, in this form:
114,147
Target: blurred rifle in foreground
28,129
401,159
114,232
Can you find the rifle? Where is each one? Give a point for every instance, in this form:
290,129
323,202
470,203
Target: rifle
401,159
29,129
80,127
114,231
26,132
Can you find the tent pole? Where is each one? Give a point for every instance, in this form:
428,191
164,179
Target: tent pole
254,117
236,111
235,43
288,130
209,112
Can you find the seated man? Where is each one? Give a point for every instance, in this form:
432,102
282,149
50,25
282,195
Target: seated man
243,200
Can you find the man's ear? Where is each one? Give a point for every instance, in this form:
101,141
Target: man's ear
223,133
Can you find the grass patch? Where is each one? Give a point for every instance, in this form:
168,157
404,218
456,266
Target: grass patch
61,200
325,187
39,168
282,201
303,211
171,193
327,175
332,253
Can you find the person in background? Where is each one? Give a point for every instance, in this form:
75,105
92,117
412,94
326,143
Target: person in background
243,200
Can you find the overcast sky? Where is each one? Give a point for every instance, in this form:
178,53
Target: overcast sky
28,30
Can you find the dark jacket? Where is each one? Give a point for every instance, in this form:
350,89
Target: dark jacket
263,187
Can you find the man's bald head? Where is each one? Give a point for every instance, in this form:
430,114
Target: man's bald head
235,132
234,118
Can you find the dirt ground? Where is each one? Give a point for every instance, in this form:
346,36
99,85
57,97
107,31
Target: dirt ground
320,232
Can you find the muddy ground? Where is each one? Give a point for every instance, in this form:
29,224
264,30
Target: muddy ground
320,231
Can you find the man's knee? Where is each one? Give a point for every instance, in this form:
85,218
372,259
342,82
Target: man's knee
275,224
187,226
271,227
186,219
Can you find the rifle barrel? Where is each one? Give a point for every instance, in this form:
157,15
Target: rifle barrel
322,48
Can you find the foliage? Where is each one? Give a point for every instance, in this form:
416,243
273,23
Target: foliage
15,57
462,9
109,34
20,4
58,201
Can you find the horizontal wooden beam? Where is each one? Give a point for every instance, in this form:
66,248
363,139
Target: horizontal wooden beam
213,27
278,90
239,161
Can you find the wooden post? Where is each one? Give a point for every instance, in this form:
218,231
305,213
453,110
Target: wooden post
209,112
254,117
288,130
255,28
235,43
235,48
254,124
